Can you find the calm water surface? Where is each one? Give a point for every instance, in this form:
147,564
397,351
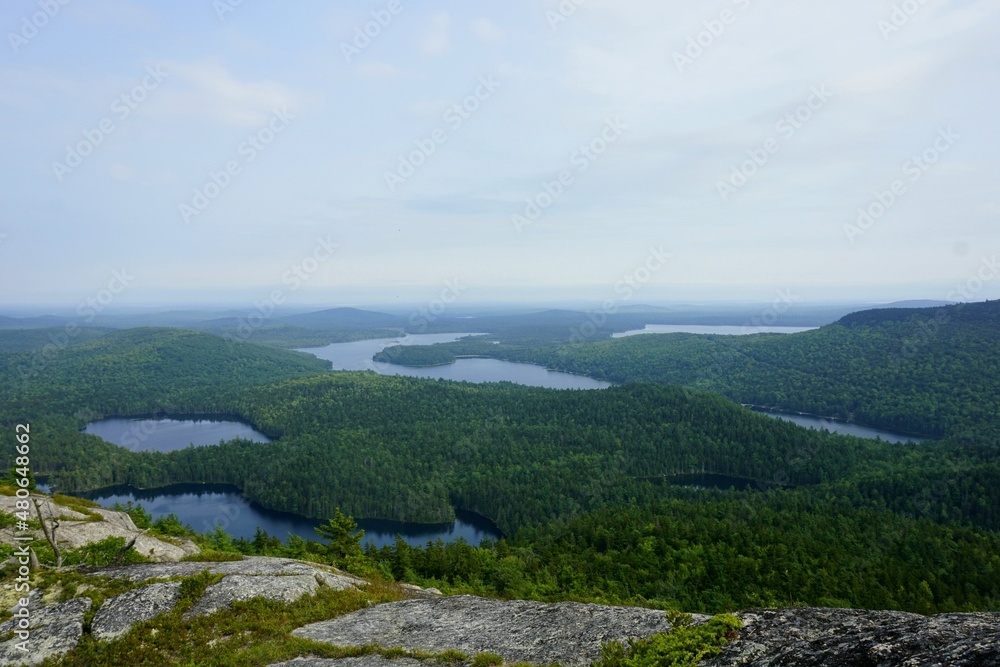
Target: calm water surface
205,506
164,434
844,428
357,356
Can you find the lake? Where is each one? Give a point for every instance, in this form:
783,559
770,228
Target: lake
709,329
167,434
357,356
204,506
844,428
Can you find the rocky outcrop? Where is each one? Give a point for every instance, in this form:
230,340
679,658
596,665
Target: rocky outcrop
77,529
850,638
51,631
240,587
119,614
256,566
364,661
568,633
565,633
56,628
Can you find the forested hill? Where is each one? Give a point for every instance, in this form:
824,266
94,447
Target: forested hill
139,371
927,371
986,313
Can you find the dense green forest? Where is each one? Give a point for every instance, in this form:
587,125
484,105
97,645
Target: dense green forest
575,478
926,371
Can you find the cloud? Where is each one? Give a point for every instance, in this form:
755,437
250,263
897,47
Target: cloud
438,39
209,91
488,31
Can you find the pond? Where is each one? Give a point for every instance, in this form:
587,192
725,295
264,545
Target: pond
167,434
357,356
842,427
205,506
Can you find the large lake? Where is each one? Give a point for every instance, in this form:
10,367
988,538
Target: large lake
167,434
844,428
204,506
357,356
709,329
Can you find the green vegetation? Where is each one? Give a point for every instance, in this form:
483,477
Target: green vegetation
928,370
577,480
417,356
685,646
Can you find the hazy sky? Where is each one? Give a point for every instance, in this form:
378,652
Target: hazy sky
224,148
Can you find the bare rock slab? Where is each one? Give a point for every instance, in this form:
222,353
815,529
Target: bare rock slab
852,638
364,661
568,633
251,566
119,614
54,630
241,587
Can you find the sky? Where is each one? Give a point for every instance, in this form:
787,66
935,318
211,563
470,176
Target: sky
340,153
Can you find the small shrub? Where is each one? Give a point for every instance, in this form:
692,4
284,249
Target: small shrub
684,646
213,556
486,660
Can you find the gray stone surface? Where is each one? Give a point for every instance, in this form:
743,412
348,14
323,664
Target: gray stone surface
365,661
54,630
240,587
254,566
118,614
76,531
850,638
568,633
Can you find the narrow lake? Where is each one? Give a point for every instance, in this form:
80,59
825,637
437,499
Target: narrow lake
357,356
167,434
844,428
709,329
204,506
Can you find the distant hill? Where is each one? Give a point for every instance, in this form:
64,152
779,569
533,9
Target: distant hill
343,318
919,370
918,303
24,340
982,313
140,371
